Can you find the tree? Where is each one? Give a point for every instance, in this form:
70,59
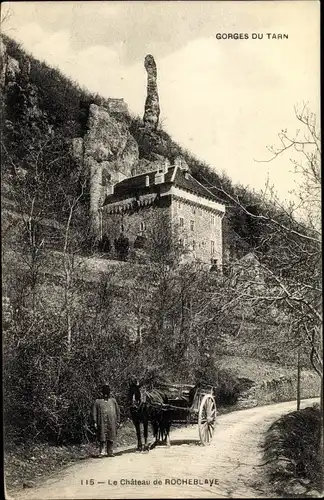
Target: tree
289,248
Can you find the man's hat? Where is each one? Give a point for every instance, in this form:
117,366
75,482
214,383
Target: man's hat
106,388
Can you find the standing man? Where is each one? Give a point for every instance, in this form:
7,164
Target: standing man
106,417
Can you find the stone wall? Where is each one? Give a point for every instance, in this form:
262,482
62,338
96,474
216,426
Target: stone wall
134,224
200,227
282,388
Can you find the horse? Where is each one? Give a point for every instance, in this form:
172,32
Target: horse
147,407
160,417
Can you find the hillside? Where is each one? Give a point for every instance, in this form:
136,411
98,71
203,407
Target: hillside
69,323
42,109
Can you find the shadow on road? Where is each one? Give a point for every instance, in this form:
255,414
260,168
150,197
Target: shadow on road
116,454
179,442
125,451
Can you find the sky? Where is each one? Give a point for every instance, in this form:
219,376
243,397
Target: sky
223,99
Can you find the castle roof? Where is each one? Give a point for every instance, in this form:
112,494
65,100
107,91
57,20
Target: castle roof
145,183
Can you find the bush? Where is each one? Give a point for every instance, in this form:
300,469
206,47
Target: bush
122,247
229,388
49,395
296,439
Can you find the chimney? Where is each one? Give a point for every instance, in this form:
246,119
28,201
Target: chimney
109,189
159,177
147,181
181,163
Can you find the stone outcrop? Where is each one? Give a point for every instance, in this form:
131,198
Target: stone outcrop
152,144
77,149
9,69
108,152
20,94
117,105
3,62
145,165
152,105
12,69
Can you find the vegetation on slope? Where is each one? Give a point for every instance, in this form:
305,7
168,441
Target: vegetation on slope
63,338
292,452
64,110
64,102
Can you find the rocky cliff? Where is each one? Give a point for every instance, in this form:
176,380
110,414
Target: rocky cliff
38,102
152,105
108,152
98,130
9,67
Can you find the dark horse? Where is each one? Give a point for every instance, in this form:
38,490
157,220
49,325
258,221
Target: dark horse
147,407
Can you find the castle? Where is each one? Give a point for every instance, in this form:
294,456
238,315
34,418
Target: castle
131,182
134,205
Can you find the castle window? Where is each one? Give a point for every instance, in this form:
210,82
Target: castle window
192,225
181,221
193,210
142,226
212,220
194,245
212,247
181,243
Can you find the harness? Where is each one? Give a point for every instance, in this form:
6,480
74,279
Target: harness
142,399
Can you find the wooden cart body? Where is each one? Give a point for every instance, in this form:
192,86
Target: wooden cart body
198,409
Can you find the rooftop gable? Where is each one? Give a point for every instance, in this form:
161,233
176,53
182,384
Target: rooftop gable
173,176
186,181
138,182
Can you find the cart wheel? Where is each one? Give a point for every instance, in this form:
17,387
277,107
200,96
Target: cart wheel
207,419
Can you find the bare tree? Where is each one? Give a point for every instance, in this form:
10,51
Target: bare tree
289,250
289,247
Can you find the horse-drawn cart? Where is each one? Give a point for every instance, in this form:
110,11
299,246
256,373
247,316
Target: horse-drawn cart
191,404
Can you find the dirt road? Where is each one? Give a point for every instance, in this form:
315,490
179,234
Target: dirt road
230,467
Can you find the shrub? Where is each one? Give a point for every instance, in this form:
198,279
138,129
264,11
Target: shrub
122,247
295,437
228,389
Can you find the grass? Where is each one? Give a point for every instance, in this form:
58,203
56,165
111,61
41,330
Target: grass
251,368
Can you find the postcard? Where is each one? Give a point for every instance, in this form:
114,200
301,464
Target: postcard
161,249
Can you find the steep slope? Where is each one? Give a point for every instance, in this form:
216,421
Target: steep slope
40,106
